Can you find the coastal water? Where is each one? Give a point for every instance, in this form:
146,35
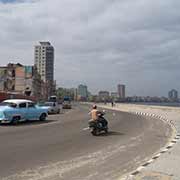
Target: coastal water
172,104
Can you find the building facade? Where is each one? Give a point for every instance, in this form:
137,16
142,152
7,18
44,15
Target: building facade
121,91
20,79
114,96
3,78
44,62
16,78
82,92
104,96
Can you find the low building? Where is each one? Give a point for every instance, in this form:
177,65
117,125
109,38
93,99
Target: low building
3,78
104,96
75,94
93,98
20,79
114,96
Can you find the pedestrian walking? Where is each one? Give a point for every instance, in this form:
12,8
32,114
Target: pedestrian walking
112,103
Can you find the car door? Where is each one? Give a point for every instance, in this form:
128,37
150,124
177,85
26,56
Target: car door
32,112
23,110
55,107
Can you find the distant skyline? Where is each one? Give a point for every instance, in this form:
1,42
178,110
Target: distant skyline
98,43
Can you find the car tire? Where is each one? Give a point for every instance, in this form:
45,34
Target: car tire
15,120
43,117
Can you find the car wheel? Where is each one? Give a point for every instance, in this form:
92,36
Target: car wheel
42,117
15,120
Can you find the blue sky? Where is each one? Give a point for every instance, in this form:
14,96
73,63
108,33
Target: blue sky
100,43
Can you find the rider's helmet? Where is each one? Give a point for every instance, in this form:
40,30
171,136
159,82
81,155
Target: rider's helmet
94,106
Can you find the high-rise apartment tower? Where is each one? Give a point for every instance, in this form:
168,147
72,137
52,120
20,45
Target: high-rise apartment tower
121,91
82,92
44,61
173,95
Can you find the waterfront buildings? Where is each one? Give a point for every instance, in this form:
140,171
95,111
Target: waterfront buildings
173,95
114,96
147,99
75,94
82,92
104,96
44,62
121,91
66,92
3,78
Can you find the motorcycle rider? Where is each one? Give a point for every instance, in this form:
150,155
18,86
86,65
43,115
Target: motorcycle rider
95,116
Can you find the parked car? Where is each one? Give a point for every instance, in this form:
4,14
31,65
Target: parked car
16,110
53,107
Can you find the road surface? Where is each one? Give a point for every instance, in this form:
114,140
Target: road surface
63,149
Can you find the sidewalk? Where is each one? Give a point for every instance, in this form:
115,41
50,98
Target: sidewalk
166,166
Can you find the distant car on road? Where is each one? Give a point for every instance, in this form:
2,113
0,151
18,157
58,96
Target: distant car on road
53,107
16,110
66,104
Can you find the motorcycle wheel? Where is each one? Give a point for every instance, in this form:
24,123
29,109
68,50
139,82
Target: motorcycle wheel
94,132
106,131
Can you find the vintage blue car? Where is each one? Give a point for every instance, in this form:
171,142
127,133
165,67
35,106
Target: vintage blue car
16,110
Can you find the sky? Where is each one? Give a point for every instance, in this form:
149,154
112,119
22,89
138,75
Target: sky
100,43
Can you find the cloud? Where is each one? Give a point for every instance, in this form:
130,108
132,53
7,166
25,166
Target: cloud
100,43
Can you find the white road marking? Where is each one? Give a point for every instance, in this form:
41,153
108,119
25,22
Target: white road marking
150,161
140,168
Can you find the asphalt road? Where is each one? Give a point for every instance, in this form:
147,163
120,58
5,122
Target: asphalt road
63,149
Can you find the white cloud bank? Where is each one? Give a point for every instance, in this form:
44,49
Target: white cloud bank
100,43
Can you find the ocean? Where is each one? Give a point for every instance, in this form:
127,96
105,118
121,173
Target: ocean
171,104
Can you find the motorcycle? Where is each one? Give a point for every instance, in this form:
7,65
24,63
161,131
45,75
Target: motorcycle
96,127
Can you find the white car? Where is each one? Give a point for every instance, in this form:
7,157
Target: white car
53,107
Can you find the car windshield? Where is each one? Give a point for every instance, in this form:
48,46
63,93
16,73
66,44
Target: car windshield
8,104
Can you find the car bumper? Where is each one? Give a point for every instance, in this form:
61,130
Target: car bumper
4,121
51,111
66,107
